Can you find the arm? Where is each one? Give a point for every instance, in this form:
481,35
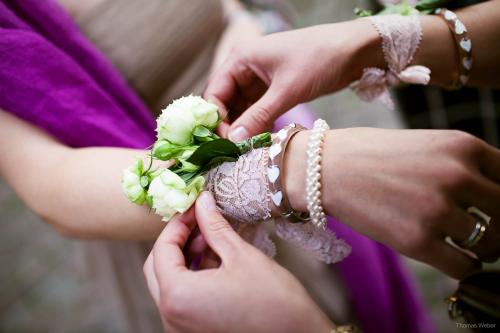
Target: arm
77,191
269,76
408,189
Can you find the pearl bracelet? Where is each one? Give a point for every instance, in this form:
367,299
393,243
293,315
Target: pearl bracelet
313,173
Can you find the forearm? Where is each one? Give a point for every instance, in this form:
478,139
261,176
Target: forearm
77,191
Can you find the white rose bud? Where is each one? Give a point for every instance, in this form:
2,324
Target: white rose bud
176,124
206,113
171,195
178,120
132,184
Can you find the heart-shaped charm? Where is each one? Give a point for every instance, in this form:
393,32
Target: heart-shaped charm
459,27
466,44
449,15
281,134
467,62
274,150
276,198
273,172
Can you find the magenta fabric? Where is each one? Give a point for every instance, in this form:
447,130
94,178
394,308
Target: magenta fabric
52,77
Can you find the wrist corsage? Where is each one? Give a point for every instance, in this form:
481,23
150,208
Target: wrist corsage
185,136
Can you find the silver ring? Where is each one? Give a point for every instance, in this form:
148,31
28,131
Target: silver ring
482,223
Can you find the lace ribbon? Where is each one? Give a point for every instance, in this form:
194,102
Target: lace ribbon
401,36
241,191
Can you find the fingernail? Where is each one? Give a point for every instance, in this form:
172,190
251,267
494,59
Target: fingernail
207,201
240,133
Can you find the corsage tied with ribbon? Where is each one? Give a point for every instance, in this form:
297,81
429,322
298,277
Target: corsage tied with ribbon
236,174
398,26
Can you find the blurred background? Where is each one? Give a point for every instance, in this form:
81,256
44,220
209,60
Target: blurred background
40,287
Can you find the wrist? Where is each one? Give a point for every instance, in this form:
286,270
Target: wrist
366,49
437,50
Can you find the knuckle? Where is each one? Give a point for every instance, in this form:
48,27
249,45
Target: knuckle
464,143
219,225
417,242
456,177
435,208
261,115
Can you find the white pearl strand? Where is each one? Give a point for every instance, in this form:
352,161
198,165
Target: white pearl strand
313,173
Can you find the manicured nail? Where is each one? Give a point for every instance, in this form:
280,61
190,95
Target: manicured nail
240,133
207,201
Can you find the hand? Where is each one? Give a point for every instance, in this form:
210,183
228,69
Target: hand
272,74
248,292
408,189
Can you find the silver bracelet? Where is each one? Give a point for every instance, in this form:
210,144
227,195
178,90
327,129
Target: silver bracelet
313,173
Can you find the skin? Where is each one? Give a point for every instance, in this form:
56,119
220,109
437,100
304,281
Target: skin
267,77
273,299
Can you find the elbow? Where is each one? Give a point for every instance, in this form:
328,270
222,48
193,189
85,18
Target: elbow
61,225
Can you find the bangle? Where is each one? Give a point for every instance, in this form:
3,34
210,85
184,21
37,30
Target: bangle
313,173
463,44
274,169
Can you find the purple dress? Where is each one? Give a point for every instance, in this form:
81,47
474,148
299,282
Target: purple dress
51,76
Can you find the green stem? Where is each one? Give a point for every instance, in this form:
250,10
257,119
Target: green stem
257,141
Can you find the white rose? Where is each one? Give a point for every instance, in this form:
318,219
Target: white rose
131,184
171,195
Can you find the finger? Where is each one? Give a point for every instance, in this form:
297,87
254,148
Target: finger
151,281
217,231
490,163
223,129
260,116
222,88
485,195
460,226
488,247
450,260
167,252
209,260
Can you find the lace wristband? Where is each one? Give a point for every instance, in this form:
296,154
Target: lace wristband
464,46
313,173
400,36
275,169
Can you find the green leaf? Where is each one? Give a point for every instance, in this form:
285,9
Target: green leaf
209,150
216,161
187,176
164,150
201,132
362,12
430,5
144,181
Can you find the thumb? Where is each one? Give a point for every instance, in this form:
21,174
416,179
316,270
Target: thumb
260,116
217,231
